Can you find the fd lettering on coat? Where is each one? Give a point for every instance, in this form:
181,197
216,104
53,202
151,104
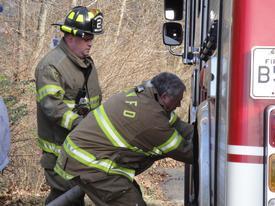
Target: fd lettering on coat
129,113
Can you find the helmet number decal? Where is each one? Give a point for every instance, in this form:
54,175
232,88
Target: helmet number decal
98,23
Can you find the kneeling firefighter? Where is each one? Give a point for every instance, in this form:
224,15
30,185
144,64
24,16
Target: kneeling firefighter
123,137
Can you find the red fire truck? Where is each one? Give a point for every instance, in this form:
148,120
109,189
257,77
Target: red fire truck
231,47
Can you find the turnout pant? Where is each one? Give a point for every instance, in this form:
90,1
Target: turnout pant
58,187
111,190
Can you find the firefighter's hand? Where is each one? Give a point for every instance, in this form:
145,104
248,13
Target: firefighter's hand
82,110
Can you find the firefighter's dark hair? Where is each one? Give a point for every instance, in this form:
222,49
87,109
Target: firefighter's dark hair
169,83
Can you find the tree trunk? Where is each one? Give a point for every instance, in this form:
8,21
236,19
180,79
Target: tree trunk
22,21
74,3
123,7
21,41
41,34
91,4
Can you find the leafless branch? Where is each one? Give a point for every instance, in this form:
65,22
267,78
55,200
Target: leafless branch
122,10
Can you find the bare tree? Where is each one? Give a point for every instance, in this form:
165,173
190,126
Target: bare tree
74,3
91,4
22,21
41,33
21,37
123,7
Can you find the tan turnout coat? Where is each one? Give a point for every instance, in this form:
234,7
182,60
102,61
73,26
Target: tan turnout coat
59,76
124,136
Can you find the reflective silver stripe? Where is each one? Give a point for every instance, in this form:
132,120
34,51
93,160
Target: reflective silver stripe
117,140
89,160
94,101
46,90
173,118
172,143
62,172
49,147
70,103
110,131
156,151
68,118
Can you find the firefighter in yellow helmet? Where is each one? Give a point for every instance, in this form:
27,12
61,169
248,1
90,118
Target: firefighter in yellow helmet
67,89
123,137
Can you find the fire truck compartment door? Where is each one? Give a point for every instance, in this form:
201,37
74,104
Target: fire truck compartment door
204,132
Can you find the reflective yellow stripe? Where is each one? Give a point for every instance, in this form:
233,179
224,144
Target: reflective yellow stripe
68,119
156,151
173,118
94,102
172,143
71,15
110,131
80,18
132,94
49,147
50,89
93,12
91,15
108,128
89,160
70,103
62,172
118,141
66,29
